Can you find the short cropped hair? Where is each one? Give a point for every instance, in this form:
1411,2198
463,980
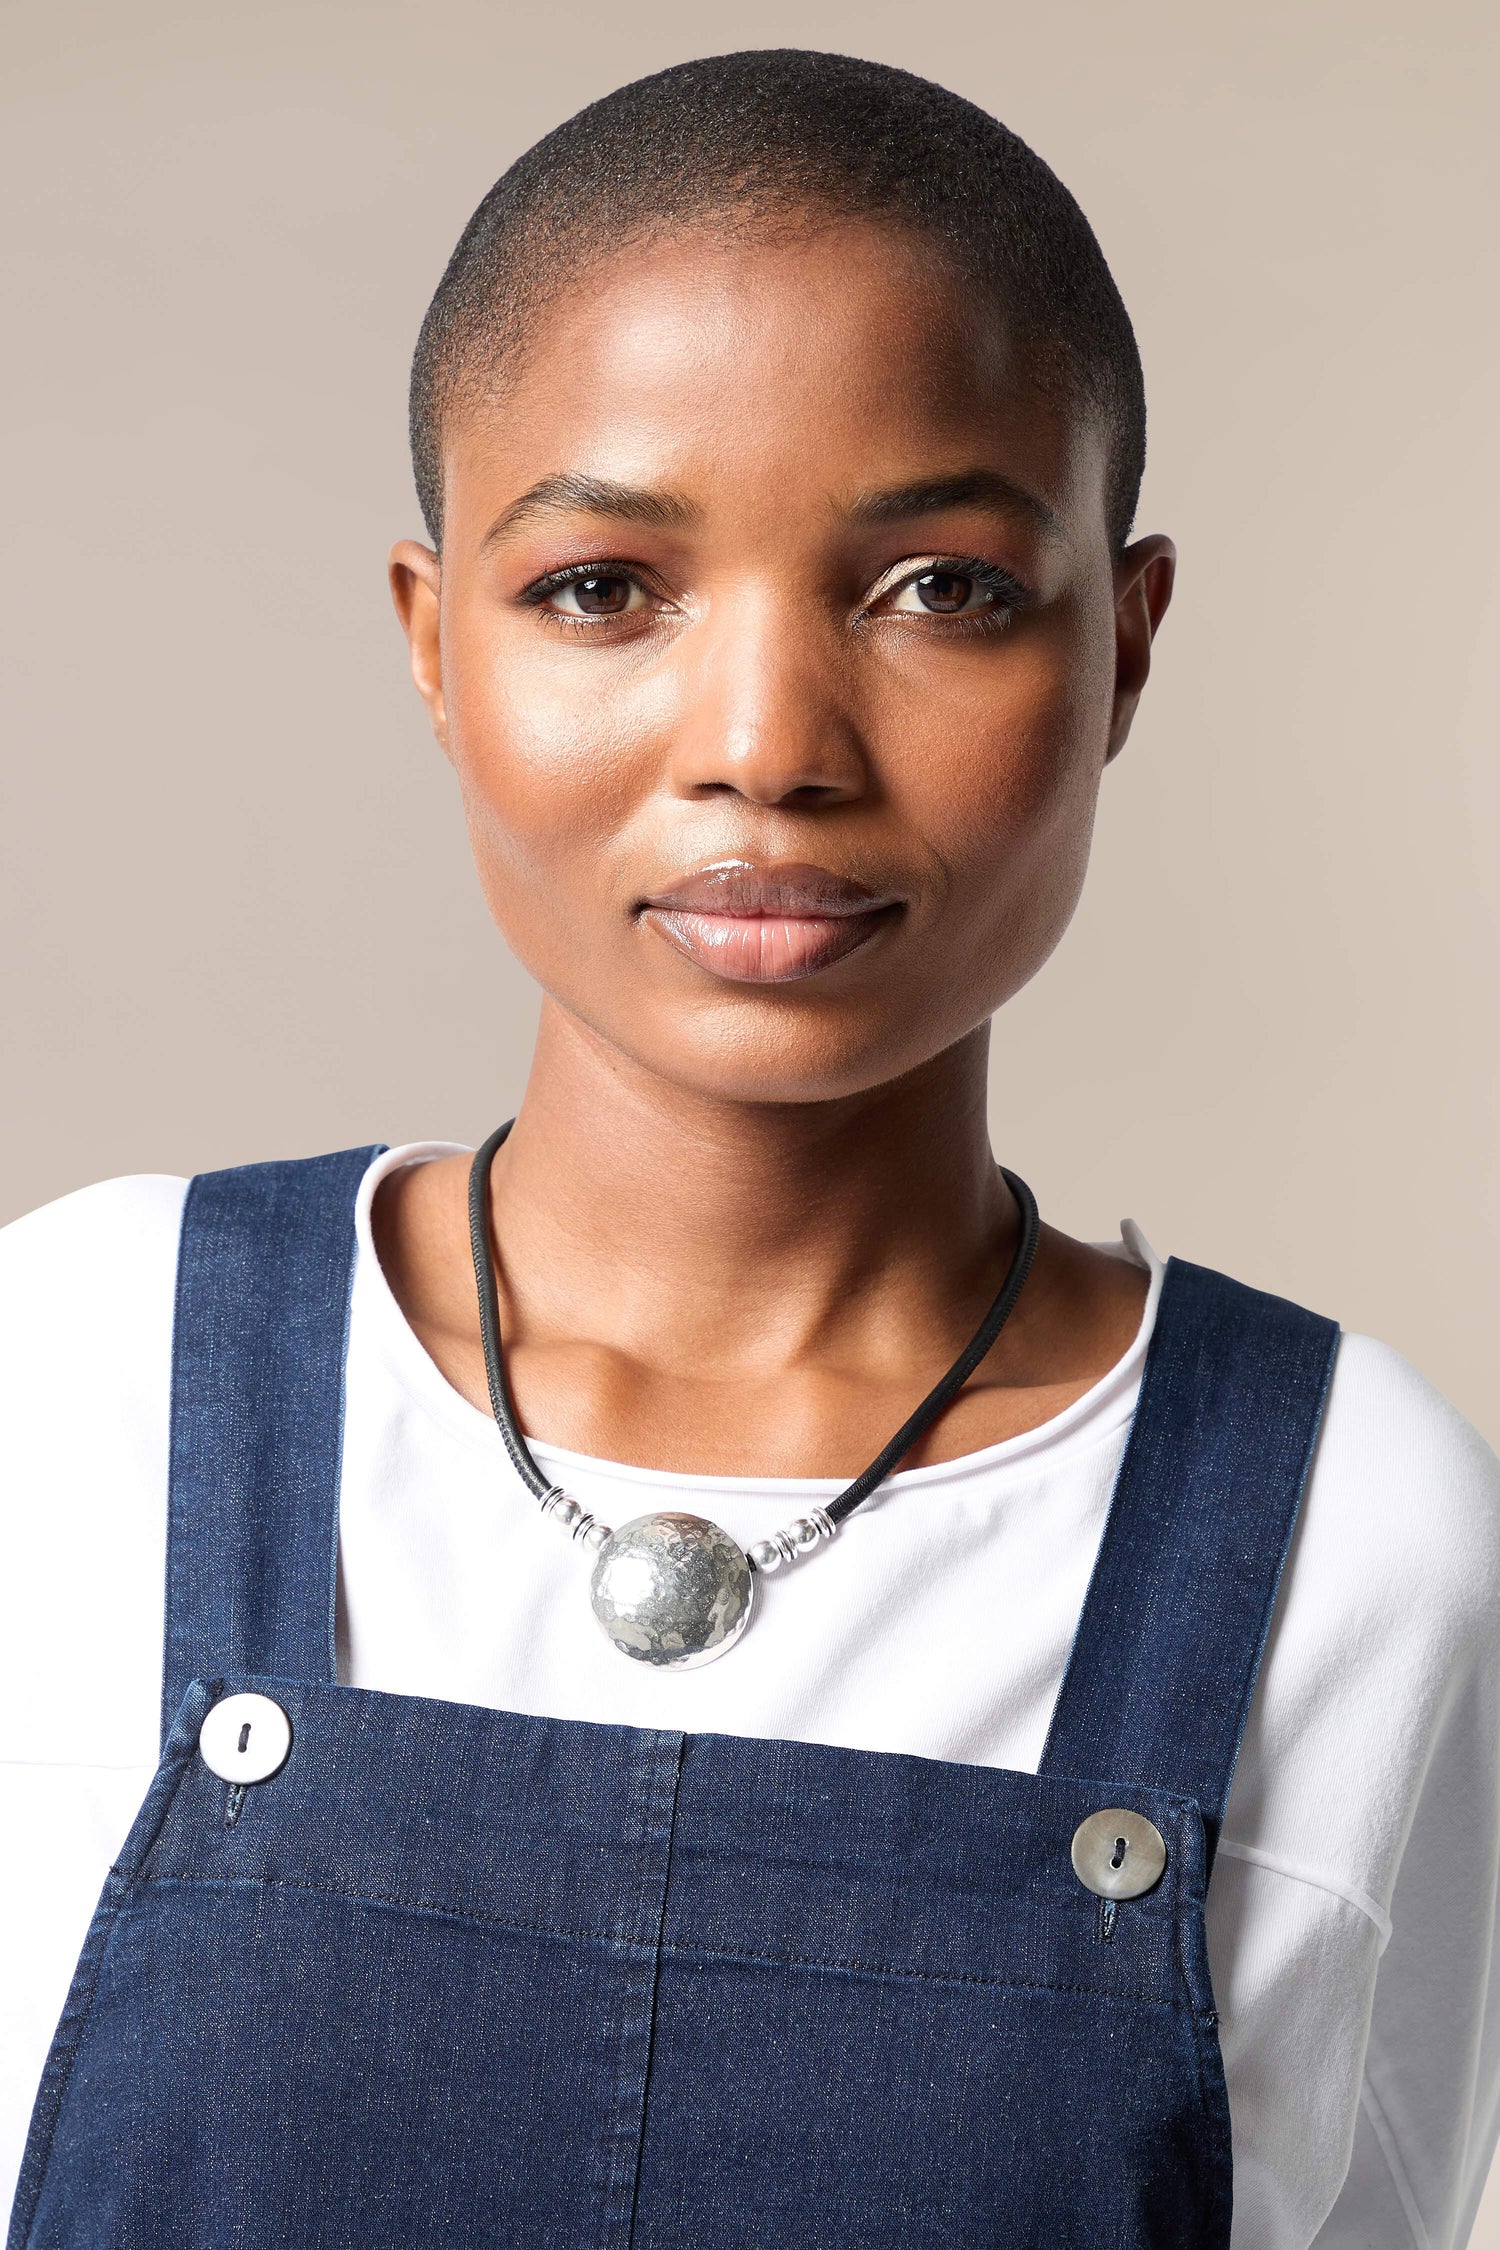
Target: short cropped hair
767,137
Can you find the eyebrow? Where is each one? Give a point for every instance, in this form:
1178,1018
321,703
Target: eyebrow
928,496
592,496
567,494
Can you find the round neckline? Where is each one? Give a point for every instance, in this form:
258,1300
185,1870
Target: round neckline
1098,1414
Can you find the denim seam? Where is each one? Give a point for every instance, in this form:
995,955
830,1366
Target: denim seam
338,1443
677,1949
1216,2221
1210,2150
1247,1690
172,1571
661,1923
916,1976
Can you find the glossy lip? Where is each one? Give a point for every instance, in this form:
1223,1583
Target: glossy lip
770,923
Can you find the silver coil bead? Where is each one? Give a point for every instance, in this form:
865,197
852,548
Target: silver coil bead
793,1542
564,1510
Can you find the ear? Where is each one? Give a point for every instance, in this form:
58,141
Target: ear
416,582
1143,588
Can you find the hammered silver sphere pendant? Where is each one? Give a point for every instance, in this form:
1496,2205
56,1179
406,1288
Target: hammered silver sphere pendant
672,1590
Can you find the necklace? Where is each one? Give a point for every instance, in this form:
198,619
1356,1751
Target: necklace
674,1589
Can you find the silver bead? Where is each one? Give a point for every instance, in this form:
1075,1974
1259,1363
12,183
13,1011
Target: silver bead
564,1511
793,1541
594,1534
672,1589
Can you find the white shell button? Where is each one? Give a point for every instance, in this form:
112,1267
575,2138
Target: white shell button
245,1738
1118,1854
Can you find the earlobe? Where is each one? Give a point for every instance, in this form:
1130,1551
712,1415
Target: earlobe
1144,577
416,587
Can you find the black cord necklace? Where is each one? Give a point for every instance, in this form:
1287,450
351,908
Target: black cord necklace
675,1589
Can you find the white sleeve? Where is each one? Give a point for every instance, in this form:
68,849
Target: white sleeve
87,1287
1429,2100
1429,2096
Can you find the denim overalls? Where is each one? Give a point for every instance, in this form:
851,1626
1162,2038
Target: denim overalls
458,1977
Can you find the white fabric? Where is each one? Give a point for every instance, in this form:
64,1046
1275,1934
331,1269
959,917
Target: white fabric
1353,1910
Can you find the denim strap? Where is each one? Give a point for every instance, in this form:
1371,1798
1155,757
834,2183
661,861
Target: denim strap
1164,1664
263,1275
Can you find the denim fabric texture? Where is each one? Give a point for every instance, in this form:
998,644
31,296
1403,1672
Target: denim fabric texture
458,1976
259,1336
1162,1669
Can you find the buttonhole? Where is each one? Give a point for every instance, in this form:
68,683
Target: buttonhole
1121,1846
1108,1911
245,1744
234,1802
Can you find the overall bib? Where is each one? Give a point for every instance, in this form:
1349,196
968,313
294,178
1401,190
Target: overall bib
460,1977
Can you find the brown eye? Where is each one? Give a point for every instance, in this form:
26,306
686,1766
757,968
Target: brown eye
599,597
944,591
597,594
949,589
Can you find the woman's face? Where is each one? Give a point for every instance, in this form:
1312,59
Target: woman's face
779,649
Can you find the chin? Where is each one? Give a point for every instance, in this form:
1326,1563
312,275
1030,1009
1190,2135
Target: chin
782,1063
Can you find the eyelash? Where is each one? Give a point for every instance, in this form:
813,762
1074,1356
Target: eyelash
535,595
1010,595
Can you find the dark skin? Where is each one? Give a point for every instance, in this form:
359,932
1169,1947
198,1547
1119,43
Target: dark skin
842,596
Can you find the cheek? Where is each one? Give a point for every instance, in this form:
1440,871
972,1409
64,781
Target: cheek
1024,753
549,767
1012,800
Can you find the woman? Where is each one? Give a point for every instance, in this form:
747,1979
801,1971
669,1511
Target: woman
778,429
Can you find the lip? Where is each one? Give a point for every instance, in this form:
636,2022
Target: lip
771,923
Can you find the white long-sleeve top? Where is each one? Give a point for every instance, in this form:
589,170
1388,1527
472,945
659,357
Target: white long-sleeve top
1352,1914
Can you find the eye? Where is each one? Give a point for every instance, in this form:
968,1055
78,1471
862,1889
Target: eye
946,592
597,593
962,591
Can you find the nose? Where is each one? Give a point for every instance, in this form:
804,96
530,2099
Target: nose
767,711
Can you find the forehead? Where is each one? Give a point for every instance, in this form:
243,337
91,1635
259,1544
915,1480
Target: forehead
762,371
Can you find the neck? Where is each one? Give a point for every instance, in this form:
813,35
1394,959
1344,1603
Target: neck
747,1229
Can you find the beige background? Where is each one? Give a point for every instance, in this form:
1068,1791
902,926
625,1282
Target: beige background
240,920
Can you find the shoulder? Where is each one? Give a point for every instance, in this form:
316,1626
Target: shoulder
117,1232
1384,1657
1393,1582
1407,1489
86,1291
87,1287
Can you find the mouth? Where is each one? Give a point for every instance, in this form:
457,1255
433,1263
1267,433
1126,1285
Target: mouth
768,924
